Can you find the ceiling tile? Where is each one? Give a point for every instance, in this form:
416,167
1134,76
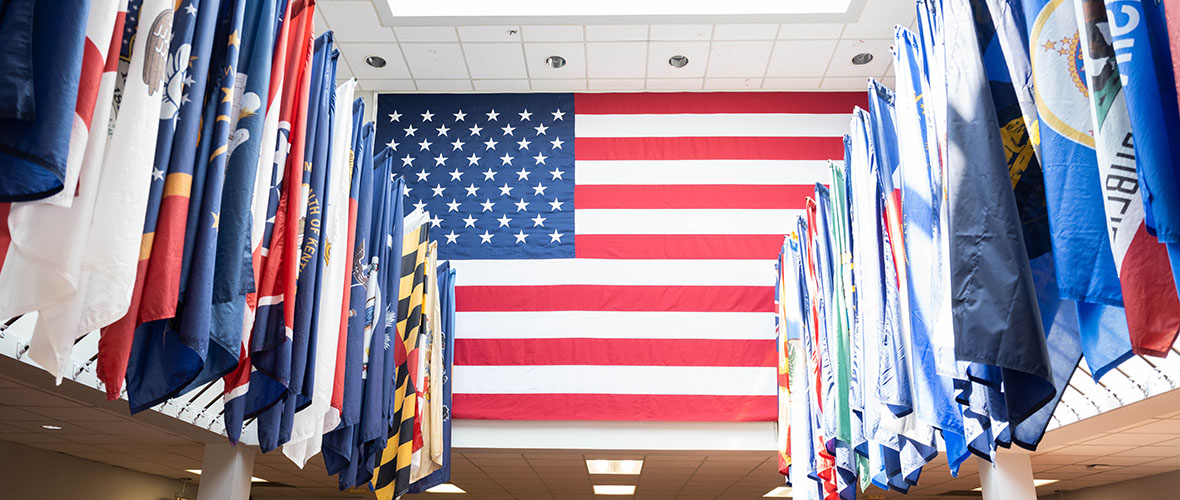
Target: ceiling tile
879,17
659,53
574,33
495,60
810,31
616,84
489,33
355,22
387,85
807,83
395,65
318,22
343,69
675,32
845,49
435,60
559,84
745,31
426,33
733,83
616,59
739,59
502,85
798,58
616,33
674,84
845,83
574,54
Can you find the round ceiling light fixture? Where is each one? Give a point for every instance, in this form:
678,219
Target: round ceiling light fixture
555,61
375,61
862,58
678,61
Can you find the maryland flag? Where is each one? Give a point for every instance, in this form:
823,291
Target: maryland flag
392,475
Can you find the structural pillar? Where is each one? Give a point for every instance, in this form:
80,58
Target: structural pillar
226,472
1009,478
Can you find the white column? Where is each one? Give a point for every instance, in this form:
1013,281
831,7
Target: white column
1009,478
226,472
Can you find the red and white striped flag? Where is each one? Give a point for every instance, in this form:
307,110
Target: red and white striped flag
615,253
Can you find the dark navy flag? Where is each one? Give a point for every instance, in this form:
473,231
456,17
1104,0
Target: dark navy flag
339,444
48,38
233,274
185,340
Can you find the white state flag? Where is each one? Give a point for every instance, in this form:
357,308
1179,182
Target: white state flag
311,423
44,268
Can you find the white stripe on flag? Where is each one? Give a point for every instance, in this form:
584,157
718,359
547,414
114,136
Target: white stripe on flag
566,379
684,221
614,325
614,272
767,172
712,125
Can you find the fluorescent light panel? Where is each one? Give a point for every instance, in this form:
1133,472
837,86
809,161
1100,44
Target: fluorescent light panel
253,479
1036,483
780,492
614,489
445,488
628,467
478,8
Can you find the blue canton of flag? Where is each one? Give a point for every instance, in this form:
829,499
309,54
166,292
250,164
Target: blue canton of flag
495,172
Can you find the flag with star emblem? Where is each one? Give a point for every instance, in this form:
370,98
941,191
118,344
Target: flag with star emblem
172,354
614,252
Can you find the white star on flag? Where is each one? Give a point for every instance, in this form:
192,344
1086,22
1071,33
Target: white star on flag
558,115
475,129
555,205
489,174
453,206
421,205
457,145
539,190
456,175
504,220
427,116
410,130
157,174
451,237
505,190
521,205
555,236
487,205
523,175
443,130
407,160
439,160
541,129
491,144
392,144
471,189
540,158
523,143
539,221
520,236
424,145
395,117
557,173
508,129
435,221
507,160
486,237
460,116
469,221
492,115
423,175
472,160
524,115
557,143
438,189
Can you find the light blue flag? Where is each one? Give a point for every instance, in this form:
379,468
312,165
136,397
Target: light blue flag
1141,48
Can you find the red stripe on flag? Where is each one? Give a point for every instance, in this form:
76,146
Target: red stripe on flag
615,298
719,102
112,63
708,148
692,196
619,352
1153,309
674,408
677,246
88,82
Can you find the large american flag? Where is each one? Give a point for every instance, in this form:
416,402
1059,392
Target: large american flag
615,252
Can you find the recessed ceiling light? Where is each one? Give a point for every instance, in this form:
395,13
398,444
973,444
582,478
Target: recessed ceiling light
614,489
50,427
445,488
678,61
629,467
253,479
1036,483
555,61
862,58
780,492
375,61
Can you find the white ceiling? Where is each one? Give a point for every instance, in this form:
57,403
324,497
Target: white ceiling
614,57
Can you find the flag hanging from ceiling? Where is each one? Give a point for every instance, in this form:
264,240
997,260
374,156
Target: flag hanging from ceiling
615,252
